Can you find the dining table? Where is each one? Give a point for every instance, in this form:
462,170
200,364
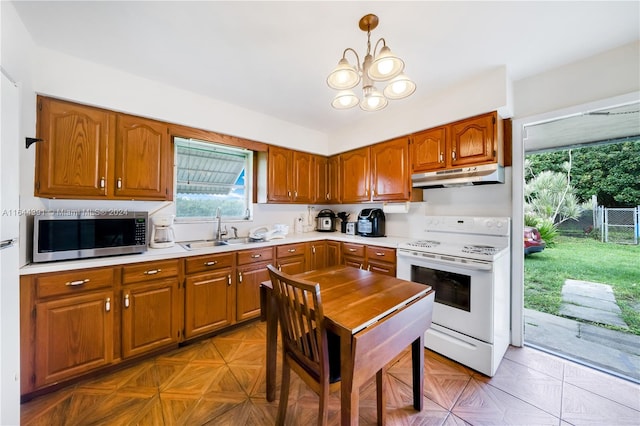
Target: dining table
376,317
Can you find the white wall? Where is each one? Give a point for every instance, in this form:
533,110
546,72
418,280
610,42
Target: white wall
612,73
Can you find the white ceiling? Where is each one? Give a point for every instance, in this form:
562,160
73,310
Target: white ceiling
274,57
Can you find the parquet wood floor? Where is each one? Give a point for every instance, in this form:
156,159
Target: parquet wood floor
220,381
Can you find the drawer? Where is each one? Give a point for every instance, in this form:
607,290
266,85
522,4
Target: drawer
351,249
291,250
257,255
72,282
149,271
383,254
208,262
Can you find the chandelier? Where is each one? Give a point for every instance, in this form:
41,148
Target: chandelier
381,67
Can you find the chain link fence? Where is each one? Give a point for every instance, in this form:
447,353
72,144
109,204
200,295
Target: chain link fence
609,225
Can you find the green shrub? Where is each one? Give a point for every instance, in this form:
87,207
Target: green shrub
548,230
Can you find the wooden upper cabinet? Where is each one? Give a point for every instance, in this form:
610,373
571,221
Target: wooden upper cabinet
429,150
321,171
473,141
391,171
290,176
279,174
333,180
91,153
143,159
71,159
354,175
303,173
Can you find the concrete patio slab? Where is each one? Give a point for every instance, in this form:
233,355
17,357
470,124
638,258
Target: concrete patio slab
589,301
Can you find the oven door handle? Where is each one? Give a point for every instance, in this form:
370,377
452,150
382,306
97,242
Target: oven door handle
459,262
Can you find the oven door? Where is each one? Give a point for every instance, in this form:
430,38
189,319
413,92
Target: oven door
464,291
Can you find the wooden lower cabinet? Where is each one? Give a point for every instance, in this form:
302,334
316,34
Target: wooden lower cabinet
372,258
67,325
292,258
251,272
209,294
149,316
151,306
74,335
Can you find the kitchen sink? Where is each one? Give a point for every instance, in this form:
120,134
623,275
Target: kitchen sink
195,245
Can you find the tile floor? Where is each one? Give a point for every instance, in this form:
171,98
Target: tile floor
220,381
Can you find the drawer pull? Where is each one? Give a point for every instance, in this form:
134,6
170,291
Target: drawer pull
313,249
152,271
126,300
240,277
352,249
77,282
368,267
379,253
255,256
279,267
210,263
291,250
229,279
107,305
102,182
119,183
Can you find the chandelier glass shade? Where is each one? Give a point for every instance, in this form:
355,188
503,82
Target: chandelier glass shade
383,67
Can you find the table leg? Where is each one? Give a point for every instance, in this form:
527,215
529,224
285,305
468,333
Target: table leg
417,361
349,396
272,342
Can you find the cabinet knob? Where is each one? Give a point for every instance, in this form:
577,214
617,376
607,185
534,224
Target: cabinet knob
126,300
107,304
77,282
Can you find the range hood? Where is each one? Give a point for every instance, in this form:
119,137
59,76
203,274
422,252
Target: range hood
475,175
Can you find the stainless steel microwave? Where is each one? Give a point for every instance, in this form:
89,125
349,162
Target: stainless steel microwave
84,234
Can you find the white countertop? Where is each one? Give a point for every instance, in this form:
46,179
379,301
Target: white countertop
178,251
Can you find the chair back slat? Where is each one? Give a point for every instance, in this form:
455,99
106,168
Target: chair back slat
301,320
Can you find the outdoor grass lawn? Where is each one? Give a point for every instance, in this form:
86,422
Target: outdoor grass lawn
589,260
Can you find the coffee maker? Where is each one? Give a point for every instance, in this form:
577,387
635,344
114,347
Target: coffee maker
162,235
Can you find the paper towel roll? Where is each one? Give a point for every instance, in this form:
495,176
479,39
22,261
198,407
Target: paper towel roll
396,207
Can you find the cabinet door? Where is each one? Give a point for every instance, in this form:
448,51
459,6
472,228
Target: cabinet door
279,179
333,179
303,174
71,159
473,140
293,265
150,313
354,175
74,335
391,171
333,253
318,255
321,167
208,302
248,290
429,150
143,160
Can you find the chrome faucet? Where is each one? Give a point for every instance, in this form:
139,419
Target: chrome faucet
220,232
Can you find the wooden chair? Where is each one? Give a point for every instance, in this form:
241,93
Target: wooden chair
307,347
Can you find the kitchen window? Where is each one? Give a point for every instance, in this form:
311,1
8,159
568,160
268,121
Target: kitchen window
211,176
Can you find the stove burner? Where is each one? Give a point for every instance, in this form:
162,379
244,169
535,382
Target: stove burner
480,249
424,243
